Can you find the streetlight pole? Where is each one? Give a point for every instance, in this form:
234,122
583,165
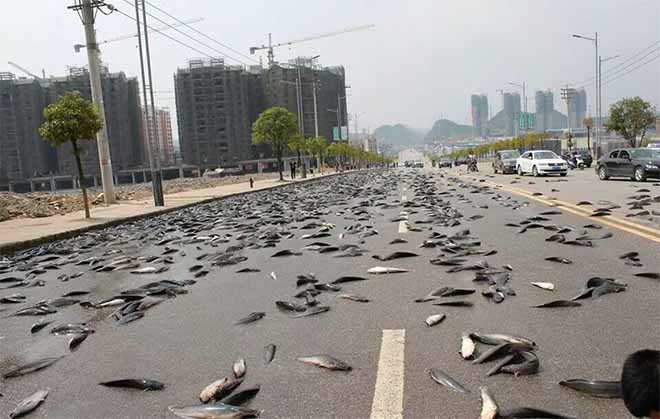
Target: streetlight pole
87,8
597,130
524,93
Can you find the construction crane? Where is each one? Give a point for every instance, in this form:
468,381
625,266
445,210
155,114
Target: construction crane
270,46
77,47
24,70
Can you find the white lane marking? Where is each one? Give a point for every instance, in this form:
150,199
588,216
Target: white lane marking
404,198
388,395
405,189
403,226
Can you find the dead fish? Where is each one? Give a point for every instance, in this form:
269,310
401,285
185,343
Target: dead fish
150,270
459,303
385,270
285,252
212,389
559,303
75,341
650,275
326,361
242,396
529,365
30,367
603,389
130,317
135,383
252,317
195,268
214,411
272,275
501,363
489,408
549,286
327,287
239,368
559,260
354,297
529,412
75,293
398,241
468,347
434,319
395,255
40,325
13,299
269,353
287,306
344,279
247,270
312,311
444,379
501,350
27,405
583,203
453,292
36,311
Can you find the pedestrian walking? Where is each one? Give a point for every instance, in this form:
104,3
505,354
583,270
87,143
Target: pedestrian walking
251,183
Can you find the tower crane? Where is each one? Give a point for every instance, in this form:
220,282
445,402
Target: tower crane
271,46
77,47
24,70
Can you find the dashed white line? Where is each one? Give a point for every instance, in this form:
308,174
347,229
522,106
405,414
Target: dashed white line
403,226
404,198
388,395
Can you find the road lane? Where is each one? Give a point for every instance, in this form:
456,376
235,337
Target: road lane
191,340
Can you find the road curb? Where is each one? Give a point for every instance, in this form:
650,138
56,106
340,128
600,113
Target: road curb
13,247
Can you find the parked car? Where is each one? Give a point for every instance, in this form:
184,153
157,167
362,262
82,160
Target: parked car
541,162
418,164
653,145
586,157
445,163
460,161
505,161
407,163
636,163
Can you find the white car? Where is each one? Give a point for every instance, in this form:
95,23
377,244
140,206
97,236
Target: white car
541,162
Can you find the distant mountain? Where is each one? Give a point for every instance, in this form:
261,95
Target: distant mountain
444,128
399,136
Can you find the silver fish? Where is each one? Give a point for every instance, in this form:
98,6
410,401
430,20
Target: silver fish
444,379
548,286
269,353
385,270
239,368
214,411
467,346
434,319
326,361
489,408
29,404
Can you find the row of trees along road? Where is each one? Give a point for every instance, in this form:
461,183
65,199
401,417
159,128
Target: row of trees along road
278,128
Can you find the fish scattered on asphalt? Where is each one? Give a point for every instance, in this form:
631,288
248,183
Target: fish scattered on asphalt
558,303
602,389
30,367
239,368
312,312
135,383
214,411
489,408
501,350
252,317
30,403
444,379
434,319
76,340
650,275
344,279
354,297
269,353
468,346
40,325
548,286
385,270
458,303
326,361
559,260
242,396
395,255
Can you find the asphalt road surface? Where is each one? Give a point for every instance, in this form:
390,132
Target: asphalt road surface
191,340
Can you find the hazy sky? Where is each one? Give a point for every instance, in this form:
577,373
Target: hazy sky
422,60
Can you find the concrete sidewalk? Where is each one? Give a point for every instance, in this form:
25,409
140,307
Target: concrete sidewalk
22,233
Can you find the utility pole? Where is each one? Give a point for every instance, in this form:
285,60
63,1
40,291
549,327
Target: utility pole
150,109
568,94
316,110
86,10
299,98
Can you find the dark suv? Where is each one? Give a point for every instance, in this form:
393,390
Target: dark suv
505,161
636,163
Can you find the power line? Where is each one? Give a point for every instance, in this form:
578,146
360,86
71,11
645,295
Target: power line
167,36
191,37
201,33
619,64
607,81
621,69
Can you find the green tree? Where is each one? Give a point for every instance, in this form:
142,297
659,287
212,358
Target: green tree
630,118
297,144
275,126
589,123
317,147
72,119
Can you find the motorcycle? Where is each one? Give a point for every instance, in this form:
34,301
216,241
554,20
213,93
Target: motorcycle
575,162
